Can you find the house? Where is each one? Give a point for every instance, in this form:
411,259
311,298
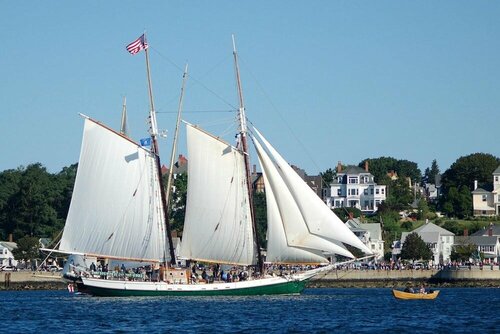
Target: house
355,187
439,240
370,234
179,167
314,182
487,241
485,202
6,256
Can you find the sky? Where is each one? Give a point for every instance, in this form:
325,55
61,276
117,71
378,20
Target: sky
324,81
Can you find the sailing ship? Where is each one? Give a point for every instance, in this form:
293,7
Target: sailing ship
118,211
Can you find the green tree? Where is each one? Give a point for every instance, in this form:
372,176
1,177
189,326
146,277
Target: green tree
34,213
399,195
414,248
379,167
463,252
431,173
178,202
327,176
422,209
9,186
458,202
463,172
260,213
27,249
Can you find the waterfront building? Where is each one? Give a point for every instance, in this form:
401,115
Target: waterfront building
485,202
370,234
355,187
6,256
439,240
487,241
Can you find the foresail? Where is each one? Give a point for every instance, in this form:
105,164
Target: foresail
321,221
218,222
288,236
116,208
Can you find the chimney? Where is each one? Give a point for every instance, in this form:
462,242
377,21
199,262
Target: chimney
351,215
466,232
339,167
475,184
366,165
254,169
11,239
490,230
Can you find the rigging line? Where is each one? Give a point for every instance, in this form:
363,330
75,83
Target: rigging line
198,111
195,80
275,109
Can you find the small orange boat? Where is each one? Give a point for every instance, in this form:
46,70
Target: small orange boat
409,295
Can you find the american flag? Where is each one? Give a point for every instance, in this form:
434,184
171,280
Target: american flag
137,45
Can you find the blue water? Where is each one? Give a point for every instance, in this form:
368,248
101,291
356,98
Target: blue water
469,310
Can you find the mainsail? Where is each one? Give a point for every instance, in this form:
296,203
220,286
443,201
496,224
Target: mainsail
320,220
116,208
218,224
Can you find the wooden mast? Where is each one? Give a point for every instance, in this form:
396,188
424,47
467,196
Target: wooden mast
174,144
154,134
244,147
124,125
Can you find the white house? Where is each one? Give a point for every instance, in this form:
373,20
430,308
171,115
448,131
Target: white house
354,187
6,257
370,234
488,242
484,202
439,240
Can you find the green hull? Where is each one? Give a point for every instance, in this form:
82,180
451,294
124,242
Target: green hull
287,288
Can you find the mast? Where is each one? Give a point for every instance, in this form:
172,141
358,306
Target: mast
123,125
154,134
174,144
244,148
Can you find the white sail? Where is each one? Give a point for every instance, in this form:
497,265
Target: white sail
116,207
288,235
218,222
321,221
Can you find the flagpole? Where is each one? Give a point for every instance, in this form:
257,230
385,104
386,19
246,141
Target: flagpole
154,134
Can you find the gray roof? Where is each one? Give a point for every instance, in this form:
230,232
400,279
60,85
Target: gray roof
374,228
433,228
477,240
484,231
9,245
497,171
480,191
354,170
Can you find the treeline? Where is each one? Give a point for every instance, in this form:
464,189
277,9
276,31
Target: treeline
34,202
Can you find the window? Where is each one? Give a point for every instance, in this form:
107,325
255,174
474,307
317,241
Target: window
366,204
376,191
382,191
365,192
496,178
371,191
339,192
484,198
373,246
353,179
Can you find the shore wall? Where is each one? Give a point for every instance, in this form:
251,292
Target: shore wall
475,277
486,277
29,280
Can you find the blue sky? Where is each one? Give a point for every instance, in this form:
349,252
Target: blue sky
323,80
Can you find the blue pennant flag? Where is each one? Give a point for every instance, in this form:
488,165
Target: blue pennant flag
146,141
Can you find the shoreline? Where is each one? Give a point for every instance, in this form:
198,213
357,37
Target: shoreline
27,280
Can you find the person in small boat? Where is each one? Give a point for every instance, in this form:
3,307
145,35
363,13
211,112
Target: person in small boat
409,288
422,289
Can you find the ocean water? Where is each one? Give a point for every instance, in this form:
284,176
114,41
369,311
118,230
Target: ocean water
456,310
